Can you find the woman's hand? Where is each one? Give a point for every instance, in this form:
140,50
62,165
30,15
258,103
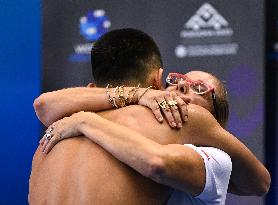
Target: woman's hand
62,129
171,104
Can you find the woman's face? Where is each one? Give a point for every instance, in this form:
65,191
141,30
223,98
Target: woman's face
183,87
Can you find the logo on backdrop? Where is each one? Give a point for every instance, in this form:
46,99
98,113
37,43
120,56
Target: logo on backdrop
206,33
91,27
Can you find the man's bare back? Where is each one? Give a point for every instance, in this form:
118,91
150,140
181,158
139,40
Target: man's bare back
77,171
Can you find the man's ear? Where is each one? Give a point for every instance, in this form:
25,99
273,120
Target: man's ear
158,79
91,85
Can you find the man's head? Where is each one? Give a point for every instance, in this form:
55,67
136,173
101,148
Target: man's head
125,56
206,90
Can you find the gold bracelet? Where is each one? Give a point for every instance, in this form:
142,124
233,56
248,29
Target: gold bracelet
121,96
127,97
108,94
144,92
134,93
114,98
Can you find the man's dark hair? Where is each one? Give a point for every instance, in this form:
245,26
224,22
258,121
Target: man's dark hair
124,56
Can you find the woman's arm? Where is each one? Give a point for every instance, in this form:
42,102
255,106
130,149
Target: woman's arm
165,163
52,106
249,175
174,165
55,105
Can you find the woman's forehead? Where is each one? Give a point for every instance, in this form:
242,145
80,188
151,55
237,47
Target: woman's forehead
202,76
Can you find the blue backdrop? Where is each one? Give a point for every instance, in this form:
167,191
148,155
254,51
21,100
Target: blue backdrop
20,83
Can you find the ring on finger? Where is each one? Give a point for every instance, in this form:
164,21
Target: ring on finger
163,104
48,136
173,104
50,129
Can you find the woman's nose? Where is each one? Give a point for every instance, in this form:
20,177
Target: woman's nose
182,87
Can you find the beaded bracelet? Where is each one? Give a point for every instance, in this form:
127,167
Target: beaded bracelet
144,92
121,96
127,100
134,93
109,97
114,97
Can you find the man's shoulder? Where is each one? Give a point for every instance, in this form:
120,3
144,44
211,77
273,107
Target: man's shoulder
198,116
130,111
132,108
197,109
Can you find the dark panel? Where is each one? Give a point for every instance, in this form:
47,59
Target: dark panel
271,97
